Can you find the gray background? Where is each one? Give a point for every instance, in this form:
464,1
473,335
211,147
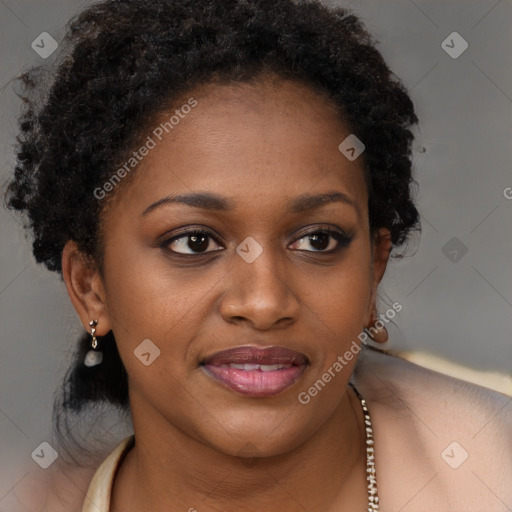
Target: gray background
460,310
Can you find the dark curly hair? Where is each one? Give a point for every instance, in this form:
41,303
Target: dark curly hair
122,62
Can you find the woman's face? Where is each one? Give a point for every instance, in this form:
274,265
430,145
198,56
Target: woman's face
252,278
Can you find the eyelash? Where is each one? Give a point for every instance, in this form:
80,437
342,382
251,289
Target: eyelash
342,238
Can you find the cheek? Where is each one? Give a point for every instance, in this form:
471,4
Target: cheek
138,287
149,299
339,321
343,308
348,291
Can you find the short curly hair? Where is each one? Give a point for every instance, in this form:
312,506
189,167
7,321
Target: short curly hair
124,61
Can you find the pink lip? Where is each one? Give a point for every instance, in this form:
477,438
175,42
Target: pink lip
256,383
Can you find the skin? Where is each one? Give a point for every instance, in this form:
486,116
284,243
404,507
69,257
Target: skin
258,145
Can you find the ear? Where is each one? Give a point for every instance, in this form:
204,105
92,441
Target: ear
85,288
381,249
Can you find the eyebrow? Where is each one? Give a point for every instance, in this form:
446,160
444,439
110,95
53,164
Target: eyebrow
209,201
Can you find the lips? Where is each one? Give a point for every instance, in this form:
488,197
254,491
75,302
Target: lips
254,371
256,355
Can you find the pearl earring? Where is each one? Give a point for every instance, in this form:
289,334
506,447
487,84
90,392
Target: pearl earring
93,357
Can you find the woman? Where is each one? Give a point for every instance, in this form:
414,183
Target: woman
220,185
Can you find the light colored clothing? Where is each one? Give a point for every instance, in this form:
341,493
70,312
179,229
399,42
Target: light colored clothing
100,488
497,381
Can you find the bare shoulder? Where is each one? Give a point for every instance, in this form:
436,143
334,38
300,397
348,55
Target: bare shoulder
450,440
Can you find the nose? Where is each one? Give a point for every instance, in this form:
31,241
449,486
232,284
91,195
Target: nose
260,293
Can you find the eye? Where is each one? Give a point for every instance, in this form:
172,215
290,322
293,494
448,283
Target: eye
325,240
196,241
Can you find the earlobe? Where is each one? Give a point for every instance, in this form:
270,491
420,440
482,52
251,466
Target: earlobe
377,330
85,287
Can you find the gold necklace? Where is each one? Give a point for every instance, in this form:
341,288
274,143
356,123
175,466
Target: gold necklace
371,476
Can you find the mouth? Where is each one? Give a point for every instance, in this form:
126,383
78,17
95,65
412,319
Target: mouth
256,372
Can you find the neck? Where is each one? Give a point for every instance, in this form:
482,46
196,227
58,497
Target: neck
328,468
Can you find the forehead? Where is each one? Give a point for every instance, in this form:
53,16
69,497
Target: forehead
262,142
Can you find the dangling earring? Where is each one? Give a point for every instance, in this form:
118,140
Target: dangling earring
93,357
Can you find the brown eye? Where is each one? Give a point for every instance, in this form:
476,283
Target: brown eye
191,242
320,241
326,241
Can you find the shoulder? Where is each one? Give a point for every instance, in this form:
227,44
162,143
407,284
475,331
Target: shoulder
450,439
428,390
57,489
71,487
